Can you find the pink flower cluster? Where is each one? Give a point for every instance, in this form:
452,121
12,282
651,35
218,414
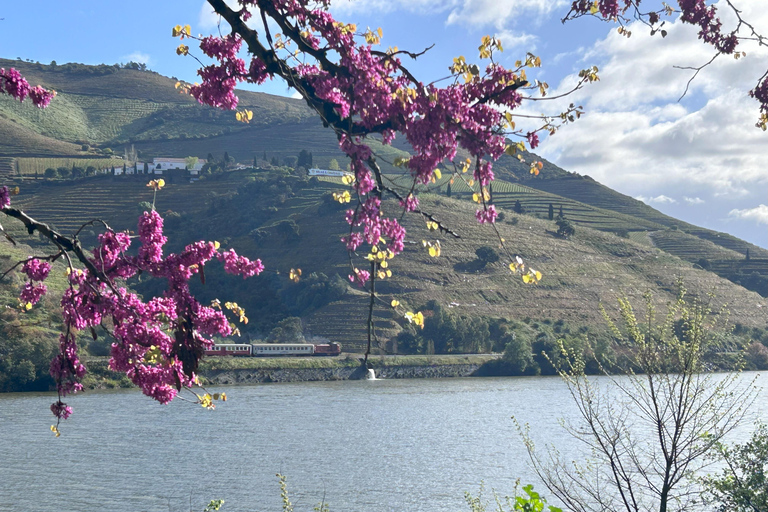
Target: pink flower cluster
15,85
36,270
371,92
158,342
5,197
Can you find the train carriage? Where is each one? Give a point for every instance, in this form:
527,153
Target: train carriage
229,349
274,349
282,349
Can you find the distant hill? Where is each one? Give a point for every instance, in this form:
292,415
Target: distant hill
101,110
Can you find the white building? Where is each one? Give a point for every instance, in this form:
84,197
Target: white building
165,164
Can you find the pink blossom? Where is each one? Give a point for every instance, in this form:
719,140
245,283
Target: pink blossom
36,270
32,293
488,215
5,197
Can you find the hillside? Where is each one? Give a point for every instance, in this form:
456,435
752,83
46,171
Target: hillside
291,222
100,110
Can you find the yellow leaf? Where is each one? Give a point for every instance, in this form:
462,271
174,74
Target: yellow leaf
438,174
394,303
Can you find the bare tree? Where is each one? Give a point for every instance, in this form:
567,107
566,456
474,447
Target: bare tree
647,431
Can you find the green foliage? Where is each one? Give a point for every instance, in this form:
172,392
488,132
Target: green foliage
518,354
528,501
333,165
742,486
445,332
312,292
288,330
213,505
756,356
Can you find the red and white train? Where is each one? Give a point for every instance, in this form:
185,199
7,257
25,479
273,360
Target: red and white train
274,349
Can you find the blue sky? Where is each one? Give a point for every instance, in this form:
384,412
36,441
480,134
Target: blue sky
700,159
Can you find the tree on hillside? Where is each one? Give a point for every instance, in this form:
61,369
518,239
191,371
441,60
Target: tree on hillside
653,425
191,161
359,92
304,159
551,212
564,227
333,165
518,207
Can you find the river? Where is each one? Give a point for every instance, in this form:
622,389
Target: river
364,446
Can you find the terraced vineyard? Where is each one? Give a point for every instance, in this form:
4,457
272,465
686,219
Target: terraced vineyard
691,248
7,169
113,199
29,166
536,202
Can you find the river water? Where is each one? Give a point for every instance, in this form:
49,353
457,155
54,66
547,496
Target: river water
364,446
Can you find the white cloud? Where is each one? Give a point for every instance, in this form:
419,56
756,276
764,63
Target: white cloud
500,14
758,214
693,200
475,13
140,57
207,19
637,138
511,39
661,199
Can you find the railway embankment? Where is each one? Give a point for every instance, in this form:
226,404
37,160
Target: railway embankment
232,370
227,371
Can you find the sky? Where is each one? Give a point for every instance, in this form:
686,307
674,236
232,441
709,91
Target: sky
699,158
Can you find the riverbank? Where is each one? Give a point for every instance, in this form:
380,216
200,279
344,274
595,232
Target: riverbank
231,370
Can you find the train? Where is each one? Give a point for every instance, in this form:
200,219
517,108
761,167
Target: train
274,349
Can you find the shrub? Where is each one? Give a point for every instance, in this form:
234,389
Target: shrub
486,254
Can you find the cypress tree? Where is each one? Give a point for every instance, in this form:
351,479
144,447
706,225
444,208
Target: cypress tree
551,212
